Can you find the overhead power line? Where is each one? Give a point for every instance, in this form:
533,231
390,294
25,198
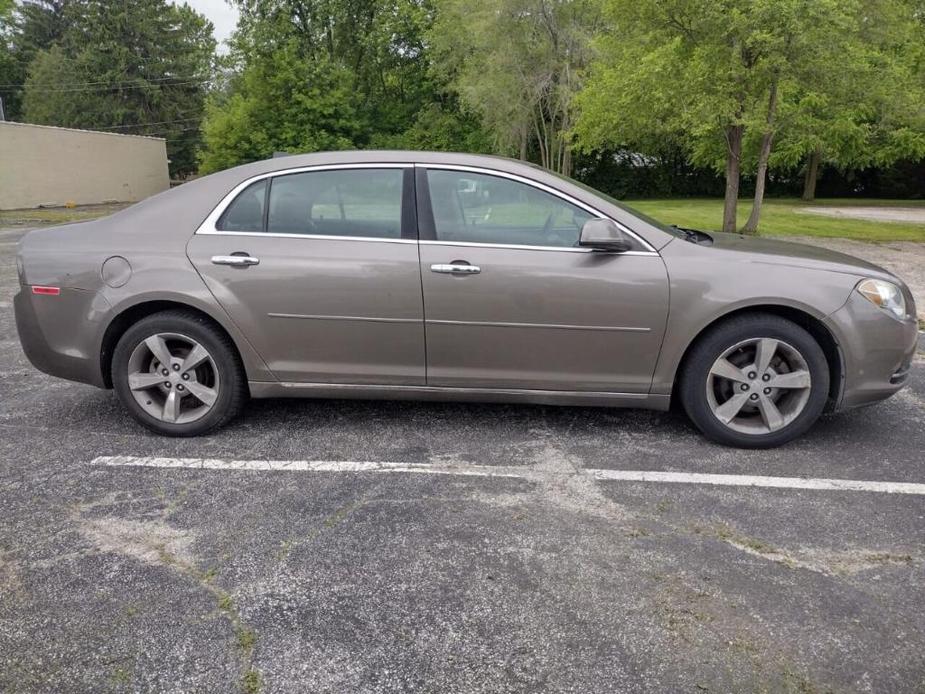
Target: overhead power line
117,87
143,125
126,80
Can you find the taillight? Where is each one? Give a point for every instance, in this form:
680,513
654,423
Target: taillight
47,291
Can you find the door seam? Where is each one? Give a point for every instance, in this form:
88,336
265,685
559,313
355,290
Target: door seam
417,236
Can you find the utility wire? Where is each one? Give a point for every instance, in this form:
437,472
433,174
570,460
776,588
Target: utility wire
115,87
164,133
143,125
53,85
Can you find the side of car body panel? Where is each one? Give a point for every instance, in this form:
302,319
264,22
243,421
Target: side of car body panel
703,283
323,310
543,319
874,367
697,299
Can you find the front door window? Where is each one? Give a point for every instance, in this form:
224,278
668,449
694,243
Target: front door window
480,208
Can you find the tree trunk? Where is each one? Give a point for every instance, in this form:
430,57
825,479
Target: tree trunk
812,175
567,163
733,160
751,226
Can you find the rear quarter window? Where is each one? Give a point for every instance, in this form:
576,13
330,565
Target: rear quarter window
245,213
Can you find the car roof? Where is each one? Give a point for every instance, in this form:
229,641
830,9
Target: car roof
389,156
283,161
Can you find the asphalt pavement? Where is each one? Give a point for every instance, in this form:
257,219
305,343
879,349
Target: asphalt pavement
448,548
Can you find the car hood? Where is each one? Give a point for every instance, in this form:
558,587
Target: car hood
774,252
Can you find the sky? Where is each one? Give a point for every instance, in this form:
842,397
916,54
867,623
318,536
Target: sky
220,13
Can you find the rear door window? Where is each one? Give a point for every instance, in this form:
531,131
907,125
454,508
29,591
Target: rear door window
342,202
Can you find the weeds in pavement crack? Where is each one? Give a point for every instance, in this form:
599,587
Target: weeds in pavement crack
328,522
245,638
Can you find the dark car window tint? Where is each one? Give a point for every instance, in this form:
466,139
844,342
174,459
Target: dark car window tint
348,202
480,208
246,212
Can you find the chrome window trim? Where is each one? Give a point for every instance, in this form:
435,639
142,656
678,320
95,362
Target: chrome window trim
320,237
207,228
650,250
519,247
208,225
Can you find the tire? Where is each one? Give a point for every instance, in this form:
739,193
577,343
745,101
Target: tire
726,372
203,388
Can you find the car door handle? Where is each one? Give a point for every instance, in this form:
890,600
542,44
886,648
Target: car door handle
455,269
235,260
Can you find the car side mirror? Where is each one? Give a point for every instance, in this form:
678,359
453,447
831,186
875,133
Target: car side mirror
604,235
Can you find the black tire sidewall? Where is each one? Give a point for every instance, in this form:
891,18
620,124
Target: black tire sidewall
226,362
721,338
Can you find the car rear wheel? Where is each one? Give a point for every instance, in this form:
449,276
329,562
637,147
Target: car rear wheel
178,374
755,381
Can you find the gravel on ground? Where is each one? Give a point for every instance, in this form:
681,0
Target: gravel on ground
875,214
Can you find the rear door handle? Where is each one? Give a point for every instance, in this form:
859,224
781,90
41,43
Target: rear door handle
235,260
455,269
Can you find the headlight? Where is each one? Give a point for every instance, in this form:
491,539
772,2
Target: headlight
886,295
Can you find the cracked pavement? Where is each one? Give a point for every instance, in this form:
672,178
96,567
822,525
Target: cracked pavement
134,579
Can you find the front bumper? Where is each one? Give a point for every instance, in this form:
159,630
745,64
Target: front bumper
61,335
877,350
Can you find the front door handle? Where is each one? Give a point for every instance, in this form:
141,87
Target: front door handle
455,269
235,260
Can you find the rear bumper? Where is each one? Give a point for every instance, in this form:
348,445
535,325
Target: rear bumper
877,350
61,334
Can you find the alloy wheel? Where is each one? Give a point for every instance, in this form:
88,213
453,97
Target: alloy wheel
173,378
759,386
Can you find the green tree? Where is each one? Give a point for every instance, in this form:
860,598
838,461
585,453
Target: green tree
26,28
7,61
718,76
282,102
518,64
444,126
139,68
867,113
325,74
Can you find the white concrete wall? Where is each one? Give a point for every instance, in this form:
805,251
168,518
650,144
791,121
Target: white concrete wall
43,165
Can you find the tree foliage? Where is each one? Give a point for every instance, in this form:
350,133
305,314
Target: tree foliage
518,64
726,77
667,93
139,68
7,62
281,103
26,28
326,74
869,111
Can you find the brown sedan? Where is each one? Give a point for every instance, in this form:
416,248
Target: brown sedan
452,277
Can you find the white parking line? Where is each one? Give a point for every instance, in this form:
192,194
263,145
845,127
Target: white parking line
300,465
814,483
817,483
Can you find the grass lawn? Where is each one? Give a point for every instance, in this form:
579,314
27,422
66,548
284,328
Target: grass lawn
57,215
780,217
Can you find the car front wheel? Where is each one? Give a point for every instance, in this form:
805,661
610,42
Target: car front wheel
755,381
178,374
